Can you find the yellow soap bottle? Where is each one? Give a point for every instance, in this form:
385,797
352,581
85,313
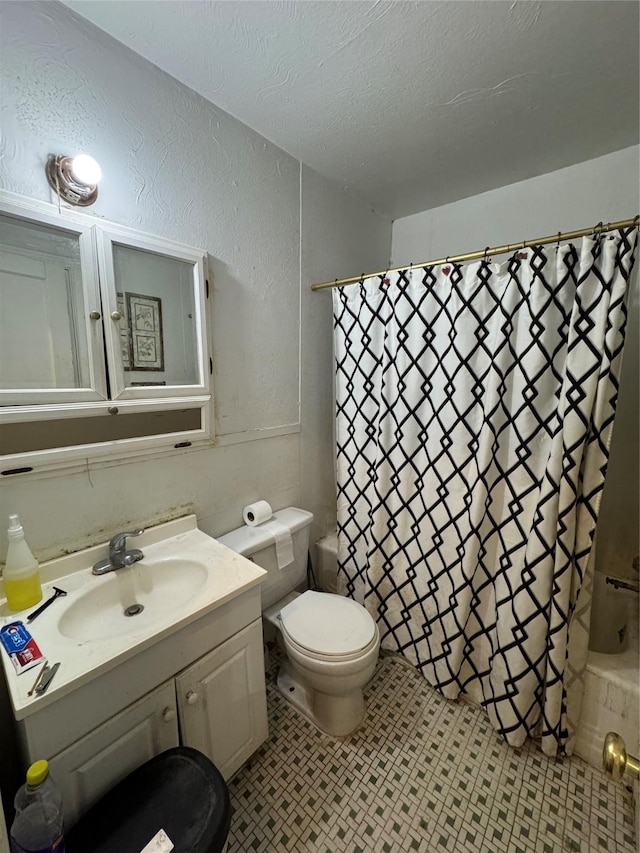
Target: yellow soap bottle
20,574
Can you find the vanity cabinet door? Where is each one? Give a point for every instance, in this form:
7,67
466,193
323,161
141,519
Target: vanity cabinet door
92,766
222,701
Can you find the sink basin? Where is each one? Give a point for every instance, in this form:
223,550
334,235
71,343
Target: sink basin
184,577
148,591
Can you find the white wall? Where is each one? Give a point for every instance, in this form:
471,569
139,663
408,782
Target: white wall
335,245
604,189
176,166
576,197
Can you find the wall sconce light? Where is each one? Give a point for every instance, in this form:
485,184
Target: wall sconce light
74,179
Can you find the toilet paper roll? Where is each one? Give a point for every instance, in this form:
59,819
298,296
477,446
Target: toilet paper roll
257,513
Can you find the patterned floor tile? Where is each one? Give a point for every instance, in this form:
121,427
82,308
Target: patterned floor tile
422,774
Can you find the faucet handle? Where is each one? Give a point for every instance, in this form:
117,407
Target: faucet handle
118,542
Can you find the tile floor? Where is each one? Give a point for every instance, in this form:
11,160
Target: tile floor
423,773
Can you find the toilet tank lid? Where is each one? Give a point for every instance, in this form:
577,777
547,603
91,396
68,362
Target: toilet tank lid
248,540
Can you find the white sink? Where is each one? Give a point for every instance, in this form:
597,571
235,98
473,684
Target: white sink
126,600
183,576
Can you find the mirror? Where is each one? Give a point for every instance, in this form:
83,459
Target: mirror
157,330
43,343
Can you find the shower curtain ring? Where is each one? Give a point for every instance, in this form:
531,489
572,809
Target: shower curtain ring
597,231
486,253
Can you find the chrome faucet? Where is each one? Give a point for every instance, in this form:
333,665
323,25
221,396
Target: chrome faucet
119,557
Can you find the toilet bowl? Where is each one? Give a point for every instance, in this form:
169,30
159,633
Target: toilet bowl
329,643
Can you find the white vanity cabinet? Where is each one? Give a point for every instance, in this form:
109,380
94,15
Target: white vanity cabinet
170,693
89,768
221,701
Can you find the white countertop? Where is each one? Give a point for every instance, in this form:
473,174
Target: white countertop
228,576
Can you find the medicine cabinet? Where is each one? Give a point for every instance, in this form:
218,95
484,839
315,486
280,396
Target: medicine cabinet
103,337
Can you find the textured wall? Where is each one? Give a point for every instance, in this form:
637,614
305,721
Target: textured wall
359,242
176,166
604,189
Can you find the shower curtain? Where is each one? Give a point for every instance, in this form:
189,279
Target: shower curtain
474,409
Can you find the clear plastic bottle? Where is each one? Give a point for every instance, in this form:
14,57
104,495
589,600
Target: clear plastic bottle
38,824
21,576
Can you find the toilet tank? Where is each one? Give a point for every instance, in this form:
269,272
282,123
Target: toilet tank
257,544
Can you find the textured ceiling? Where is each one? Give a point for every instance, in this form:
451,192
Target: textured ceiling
409,104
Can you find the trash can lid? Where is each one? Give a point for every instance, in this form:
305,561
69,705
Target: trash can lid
180,792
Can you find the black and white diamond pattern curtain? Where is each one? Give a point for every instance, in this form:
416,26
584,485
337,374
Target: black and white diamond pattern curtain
474,411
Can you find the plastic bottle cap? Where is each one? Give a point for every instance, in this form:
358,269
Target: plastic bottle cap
15,530
38,772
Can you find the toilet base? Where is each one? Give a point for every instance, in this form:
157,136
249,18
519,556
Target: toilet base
334,715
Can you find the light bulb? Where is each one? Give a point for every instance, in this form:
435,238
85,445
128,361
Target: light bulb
86,170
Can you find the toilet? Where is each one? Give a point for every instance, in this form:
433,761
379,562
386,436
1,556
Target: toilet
330,642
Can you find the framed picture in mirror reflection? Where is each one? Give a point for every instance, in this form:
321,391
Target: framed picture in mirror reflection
144,315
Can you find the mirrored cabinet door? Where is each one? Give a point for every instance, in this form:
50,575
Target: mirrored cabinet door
156,303
51,338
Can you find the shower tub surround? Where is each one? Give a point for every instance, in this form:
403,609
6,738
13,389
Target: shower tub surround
423,773
611,698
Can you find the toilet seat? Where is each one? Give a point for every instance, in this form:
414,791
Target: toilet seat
328,627
320,658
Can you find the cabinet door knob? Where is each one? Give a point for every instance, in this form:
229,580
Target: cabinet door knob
94,315
192,697
168,715
116,315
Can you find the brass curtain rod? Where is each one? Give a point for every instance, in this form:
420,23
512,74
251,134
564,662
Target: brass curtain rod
484,253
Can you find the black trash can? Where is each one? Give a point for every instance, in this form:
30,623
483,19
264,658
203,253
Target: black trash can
179,791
